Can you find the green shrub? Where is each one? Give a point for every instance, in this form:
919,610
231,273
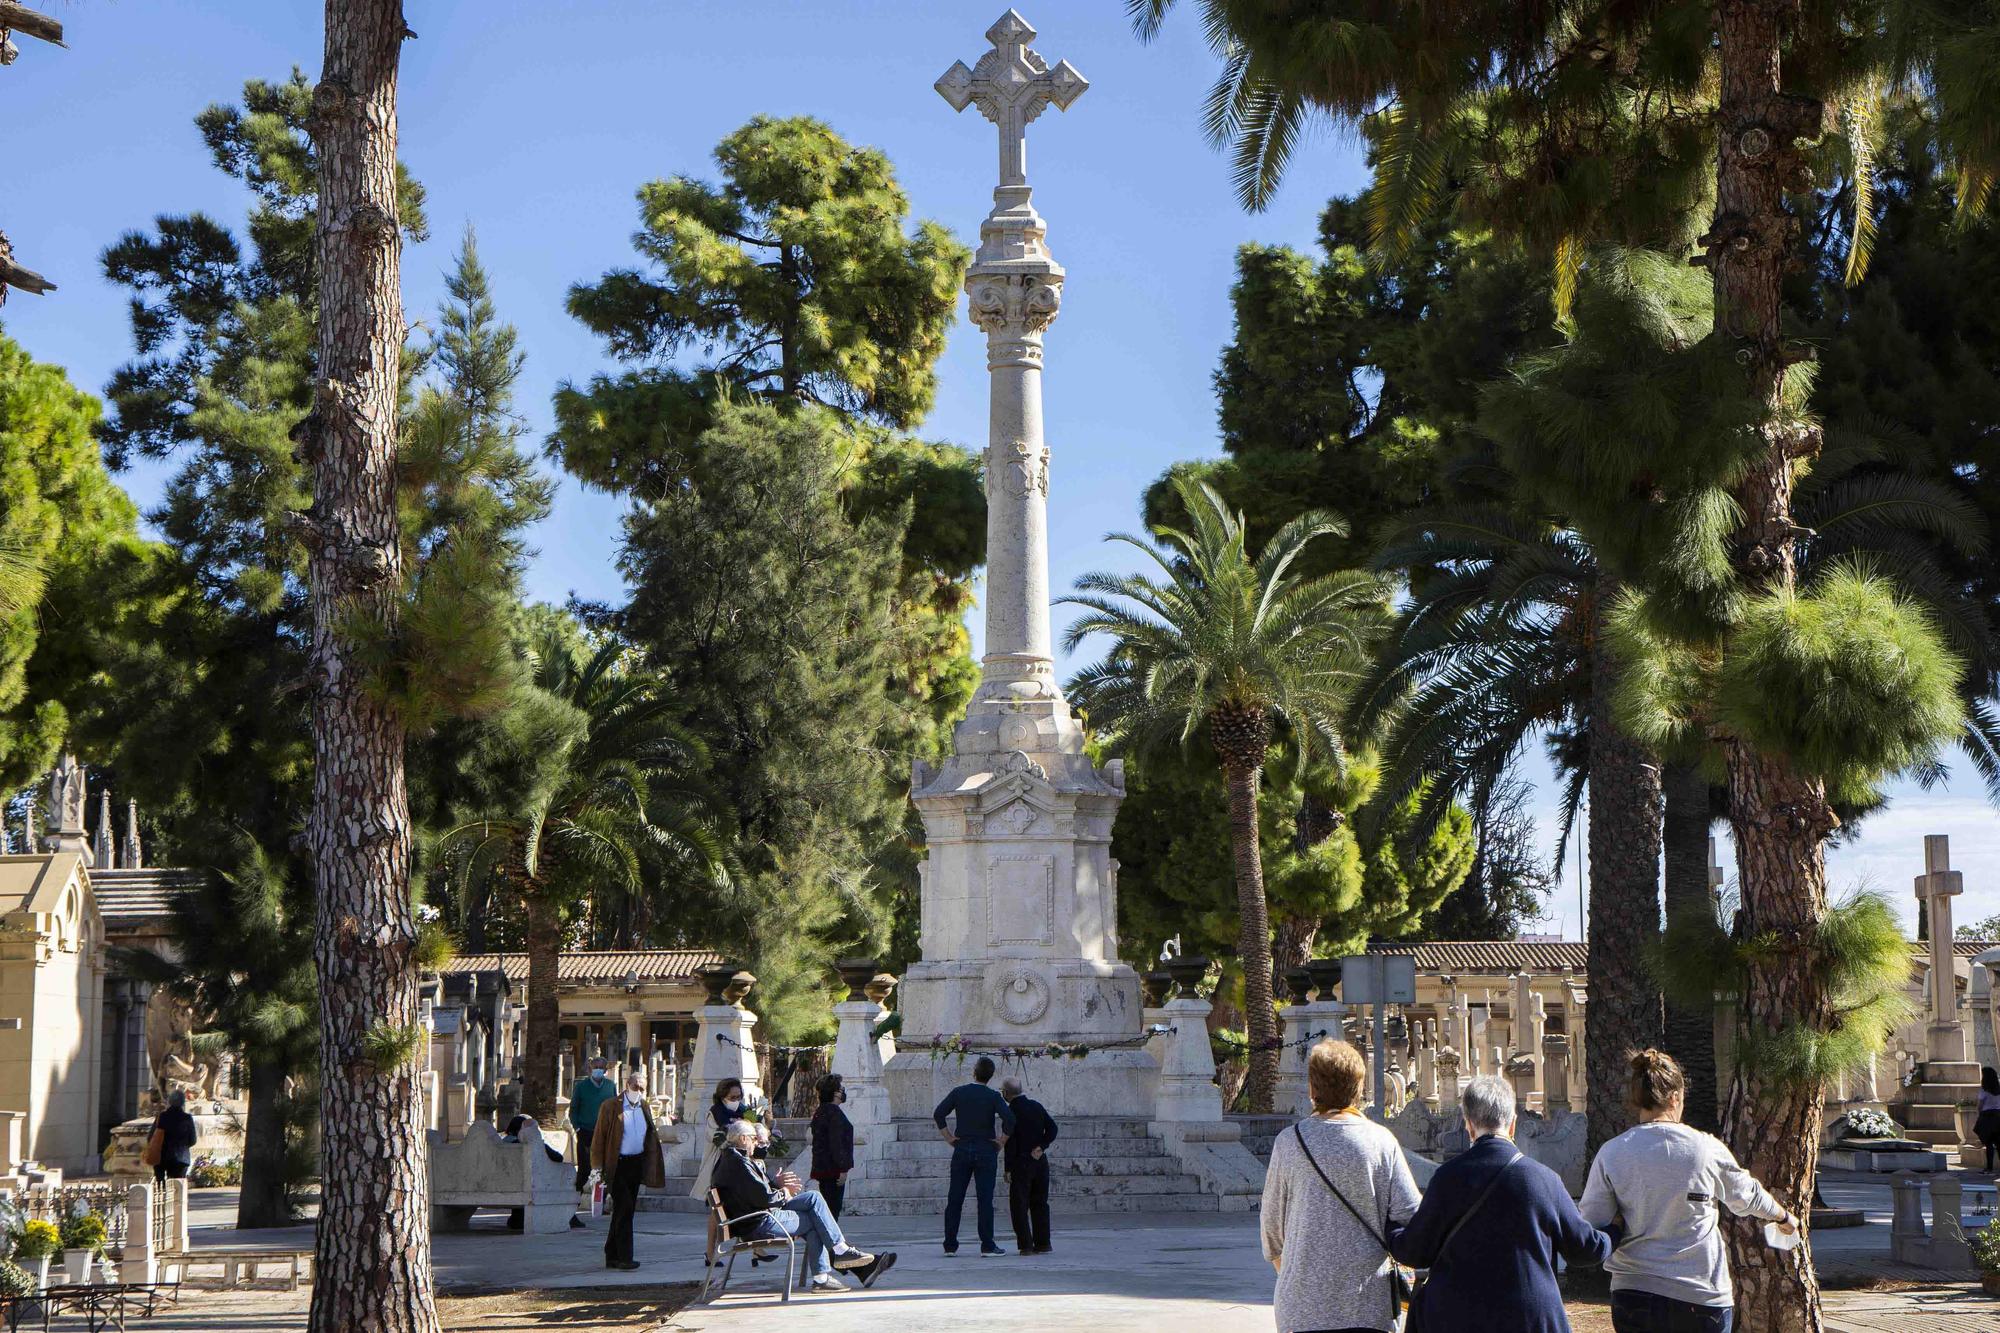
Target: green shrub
1985,1246
84,1231
39,1240
15,1281
210,1172
1847,679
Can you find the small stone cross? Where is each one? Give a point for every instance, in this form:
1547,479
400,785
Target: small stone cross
1011,85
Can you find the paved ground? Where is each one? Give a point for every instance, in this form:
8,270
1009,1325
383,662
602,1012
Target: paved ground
1109,1272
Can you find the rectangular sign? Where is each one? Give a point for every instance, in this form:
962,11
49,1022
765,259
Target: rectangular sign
1378,978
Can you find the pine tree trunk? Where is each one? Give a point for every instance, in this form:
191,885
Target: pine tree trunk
374,1256
1295,944
261,1202
1624,924
1780,819
1260,1019
1690,1029
543,1035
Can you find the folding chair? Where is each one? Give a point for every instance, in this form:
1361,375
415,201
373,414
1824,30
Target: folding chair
724,1246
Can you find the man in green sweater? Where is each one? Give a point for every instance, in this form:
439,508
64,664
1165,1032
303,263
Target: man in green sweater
589,1094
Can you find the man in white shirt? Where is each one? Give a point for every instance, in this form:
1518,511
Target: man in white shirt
625,1153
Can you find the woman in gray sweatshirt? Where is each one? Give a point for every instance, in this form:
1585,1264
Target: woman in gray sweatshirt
1664,1183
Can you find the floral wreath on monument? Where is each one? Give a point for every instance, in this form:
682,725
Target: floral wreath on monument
958,1046
1236,1043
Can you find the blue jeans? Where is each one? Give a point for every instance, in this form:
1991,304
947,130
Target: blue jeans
1647,1312
805,1215
975,1160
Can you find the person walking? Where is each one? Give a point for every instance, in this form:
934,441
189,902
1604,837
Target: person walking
177,1134
1665,1184
784,1207
586,1099
1490,1229
1028,1168
1337,1186
981,1122
832,1142
625,1153
1987,1127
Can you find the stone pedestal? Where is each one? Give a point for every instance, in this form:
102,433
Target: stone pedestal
1555,1074
716,1059
1317,1019
1187,1076
859,1063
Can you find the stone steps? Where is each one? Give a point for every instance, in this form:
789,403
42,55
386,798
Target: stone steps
1932,1115
1073,1128
911,1166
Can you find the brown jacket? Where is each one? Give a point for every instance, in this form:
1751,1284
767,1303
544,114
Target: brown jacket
609,1135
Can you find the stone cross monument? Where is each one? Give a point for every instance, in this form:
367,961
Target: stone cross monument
1936,887
1019,892
66,795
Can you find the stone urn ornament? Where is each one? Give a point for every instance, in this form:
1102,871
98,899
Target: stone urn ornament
879,986
1155,986
856,974
1325,974
739,986
715,979
1188,972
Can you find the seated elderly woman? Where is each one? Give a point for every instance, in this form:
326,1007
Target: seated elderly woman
746,1187
1490,1227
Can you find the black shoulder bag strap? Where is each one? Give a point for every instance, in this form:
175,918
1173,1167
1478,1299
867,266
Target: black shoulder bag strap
1379,1237
1466,1216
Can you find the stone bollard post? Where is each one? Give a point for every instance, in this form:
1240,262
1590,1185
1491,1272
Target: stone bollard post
724,1043
1908,1244
1187,1076
1948,1247
1290,1090
1153,990
856,1057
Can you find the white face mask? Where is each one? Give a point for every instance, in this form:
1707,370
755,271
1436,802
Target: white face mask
635,1097
733,1103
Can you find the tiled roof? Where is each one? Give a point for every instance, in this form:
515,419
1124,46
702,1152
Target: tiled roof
1449,956
595,967
128,899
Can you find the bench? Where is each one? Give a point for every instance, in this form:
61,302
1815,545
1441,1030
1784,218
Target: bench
240,1267
723,1249
106,1305
486,1171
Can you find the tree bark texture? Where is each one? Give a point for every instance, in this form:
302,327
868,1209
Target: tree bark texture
1260,1016
261,1201
1294,945
1690,1029
1624,922
540,1041
1780,817
374,1254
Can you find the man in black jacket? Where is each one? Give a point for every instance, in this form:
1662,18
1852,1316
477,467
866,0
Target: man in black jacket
1028,1168
746,1188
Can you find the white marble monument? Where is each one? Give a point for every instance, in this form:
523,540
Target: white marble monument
1019,891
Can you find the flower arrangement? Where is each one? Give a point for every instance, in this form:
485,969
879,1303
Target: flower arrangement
15,1281
1866,1122
84,1230
209,1172
954,1045
39,1240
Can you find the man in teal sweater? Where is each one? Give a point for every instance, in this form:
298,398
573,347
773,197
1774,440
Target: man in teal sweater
585,1099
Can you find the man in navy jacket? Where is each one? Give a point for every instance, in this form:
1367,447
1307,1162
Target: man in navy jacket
1028,1168
981,1122
1490,1227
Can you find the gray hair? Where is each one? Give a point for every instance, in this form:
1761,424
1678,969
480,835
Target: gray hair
740,1129
1010,1086
1488,1104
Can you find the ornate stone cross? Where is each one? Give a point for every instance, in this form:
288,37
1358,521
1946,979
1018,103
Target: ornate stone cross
1011,84
1936,887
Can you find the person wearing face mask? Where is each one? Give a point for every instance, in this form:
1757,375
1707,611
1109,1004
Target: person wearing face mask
833,1143
724,1110
625,1152
586,1099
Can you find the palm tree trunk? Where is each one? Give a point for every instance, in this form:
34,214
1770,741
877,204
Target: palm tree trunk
1780,818
538,1070
1260,1018
1624,896
1690,1028
374,1255
262,1201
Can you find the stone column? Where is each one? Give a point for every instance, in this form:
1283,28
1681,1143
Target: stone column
1187,1076
102,855
1936,887
855,1056
635,1040
138,1263
1573,1021
725,1046
1427,1087
1290,1090
1555,1074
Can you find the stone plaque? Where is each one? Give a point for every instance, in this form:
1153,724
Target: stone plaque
1020,898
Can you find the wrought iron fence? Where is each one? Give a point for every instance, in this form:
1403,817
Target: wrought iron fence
106,1200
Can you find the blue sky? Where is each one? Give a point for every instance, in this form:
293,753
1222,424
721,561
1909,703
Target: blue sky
536,123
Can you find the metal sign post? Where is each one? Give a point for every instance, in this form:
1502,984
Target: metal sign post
1380,979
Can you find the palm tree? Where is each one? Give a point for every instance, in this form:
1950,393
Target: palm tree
1237,647
600,797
